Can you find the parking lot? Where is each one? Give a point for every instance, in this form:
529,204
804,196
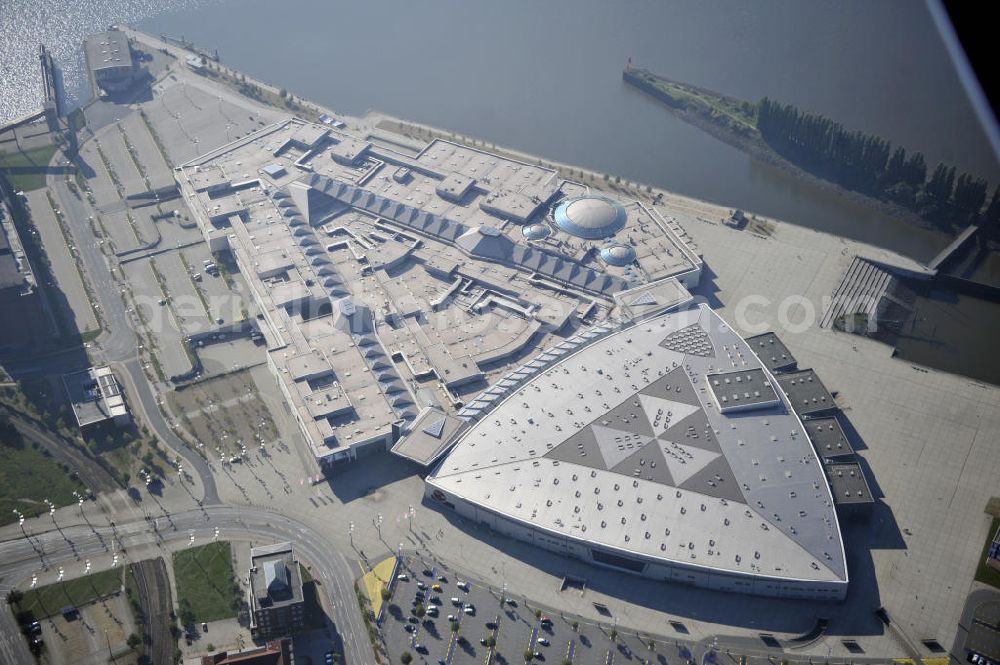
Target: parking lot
510,629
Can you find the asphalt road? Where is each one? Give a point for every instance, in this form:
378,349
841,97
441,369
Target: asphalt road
19,560
119,342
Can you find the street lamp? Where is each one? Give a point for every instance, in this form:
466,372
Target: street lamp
378,525
350,532
409,517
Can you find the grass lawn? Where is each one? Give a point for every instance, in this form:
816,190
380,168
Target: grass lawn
27,476
39,156
205,583
48,600
984,573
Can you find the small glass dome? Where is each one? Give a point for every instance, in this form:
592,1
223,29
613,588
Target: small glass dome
618,255
536,231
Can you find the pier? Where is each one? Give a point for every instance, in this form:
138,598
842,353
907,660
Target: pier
53,102
953,247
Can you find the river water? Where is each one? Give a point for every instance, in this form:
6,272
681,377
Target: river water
545,77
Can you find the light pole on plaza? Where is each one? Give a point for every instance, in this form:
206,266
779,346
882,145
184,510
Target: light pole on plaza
350,532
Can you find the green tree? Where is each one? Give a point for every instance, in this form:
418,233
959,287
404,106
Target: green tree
915,171
406,658
895,167
454,626
992,213
970,194
528,654
385,593
134,641
186,613
613,635
941,184
419,611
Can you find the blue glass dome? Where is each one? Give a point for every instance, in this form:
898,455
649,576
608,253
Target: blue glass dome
590,217
618,255
536,231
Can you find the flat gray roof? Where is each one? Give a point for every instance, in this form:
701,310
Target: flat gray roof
806,393
455,292
108,49
828,437
848,483
275,578
94,395
772,352
743,389
432,432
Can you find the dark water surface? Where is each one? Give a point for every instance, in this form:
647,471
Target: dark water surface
545,77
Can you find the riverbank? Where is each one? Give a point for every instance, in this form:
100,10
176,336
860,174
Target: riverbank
731,121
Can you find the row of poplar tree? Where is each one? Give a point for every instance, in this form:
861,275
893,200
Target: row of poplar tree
868,163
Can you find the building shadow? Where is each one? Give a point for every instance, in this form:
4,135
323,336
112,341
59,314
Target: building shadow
319,629
707,290
854,616
46,341
381,469
853,436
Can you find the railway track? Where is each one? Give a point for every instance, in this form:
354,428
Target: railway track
154,599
